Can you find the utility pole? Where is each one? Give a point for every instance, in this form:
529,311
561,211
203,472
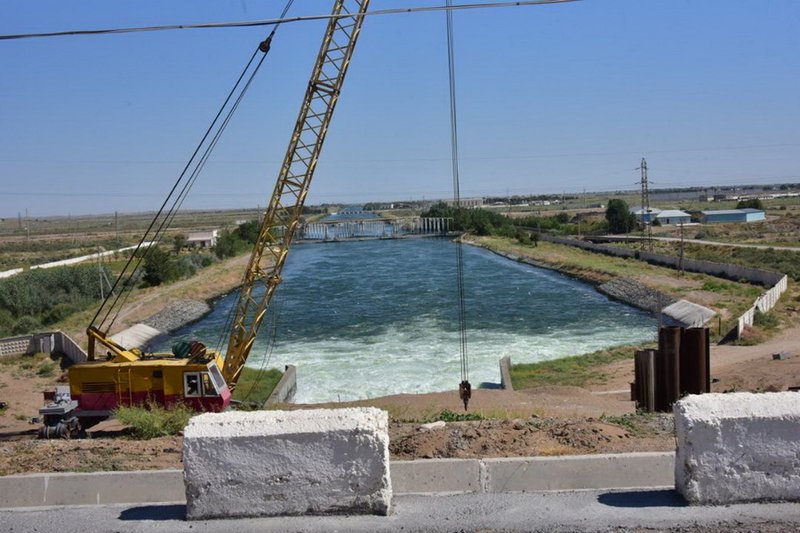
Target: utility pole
19,220
680,258
100,272
116,224
647,231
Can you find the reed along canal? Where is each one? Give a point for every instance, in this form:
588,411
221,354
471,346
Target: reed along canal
372,318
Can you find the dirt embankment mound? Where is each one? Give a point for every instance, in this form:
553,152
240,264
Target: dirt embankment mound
469,439
532,437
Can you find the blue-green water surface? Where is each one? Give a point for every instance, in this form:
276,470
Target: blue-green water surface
372,318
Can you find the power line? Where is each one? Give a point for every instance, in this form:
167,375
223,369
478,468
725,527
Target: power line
274,22
412,159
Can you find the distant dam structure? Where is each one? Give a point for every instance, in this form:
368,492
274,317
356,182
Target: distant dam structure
374,228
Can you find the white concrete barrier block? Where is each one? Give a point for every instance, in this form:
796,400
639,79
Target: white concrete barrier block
268,463
738,447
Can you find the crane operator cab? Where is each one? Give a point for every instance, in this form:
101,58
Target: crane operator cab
204,390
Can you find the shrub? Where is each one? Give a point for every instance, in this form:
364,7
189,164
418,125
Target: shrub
58,313
35,291
151,420
26,324
6,322
754,203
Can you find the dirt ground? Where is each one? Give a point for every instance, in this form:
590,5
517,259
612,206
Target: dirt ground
735,368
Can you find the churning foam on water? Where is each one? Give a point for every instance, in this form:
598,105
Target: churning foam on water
367,319
423,358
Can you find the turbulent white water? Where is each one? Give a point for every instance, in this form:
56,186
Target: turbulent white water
366,319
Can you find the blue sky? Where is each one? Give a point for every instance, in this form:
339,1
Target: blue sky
551,99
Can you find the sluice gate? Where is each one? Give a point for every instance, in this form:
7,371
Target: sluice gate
375,229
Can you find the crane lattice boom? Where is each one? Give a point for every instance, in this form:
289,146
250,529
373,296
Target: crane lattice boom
286,204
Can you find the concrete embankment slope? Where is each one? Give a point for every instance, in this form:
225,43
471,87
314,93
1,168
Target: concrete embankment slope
175,315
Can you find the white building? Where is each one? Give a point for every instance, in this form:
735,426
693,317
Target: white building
673,217
203,239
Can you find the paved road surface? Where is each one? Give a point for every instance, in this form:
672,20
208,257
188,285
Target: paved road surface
656,510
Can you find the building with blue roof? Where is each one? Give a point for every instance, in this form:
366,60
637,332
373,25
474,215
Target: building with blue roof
719,216
673,217
645,215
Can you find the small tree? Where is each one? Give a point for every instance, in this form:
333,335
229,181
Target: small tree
228,245
619,217
248,231
158,267
180,242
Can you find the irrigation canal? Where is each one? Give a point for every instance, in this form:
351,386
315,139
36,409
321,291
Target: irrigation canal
371,318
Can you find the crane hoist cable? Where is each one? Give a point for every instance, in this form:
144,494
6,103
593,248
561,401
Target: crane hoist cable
464,387
178,193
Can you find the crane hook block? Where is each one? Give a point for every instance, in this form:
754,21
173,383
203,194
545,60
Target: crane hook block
265,44
465,392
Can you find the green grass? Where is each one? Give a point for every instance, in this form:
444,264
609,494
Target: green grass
255,386
575,371
633,423
46,369
733,289
574,261
151,421
27,366
766,320
449,416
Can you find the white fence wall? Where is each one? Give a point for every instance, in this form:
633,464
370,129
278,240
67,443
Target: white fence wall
763,303
48,342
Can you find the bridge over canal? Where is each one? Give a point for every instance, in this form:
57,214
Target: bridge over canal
384,228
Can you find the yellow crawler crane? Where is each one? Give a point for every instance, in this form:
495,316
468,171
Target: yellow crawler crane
192,374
